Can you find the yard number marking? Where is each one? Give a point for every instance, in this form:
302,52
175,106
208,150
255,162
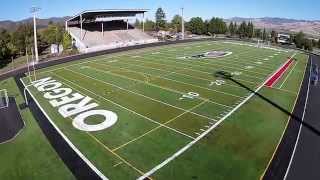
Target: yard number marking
236,73
217,82
74,105
249,67
190,95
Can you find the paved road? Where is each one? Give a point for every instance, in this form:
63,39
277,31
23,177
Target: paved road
305,162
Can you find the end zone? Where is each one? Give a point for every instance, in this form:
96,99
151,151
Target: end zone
278,74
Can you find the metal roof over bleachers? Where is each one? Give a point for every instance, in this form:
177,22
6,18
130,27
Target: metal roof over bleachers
93,14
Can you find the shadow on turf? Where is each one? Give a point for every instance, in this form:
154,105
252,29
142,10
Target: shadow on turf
228,76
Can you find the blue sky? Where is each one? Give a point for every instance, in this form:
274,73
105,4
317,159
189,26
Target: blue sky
297,9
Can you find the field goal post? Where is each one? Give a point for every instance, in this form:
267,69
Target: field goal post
4,99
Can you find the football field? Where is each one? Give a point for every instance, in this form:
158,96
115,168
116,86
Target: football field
166,114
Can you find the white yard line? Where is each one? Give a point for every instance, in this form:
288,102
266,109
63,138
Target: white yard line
104,82
161,87
228,58
149,119
75,149
171,72
154,129
162,77
189,145
237,64
117,164
189,69
205,65
285,80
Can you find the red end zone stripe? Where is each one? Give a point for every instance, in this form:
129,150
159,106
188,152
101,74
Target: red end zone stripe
277,75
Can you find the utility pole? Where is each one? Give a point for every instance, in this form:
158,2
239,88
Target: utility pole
34,10
182,24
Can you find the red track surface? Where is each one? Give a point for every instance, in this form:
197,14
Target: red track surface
277,75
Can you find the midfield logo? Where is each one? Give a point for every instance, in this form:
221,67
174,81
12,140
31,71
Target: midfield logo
74,105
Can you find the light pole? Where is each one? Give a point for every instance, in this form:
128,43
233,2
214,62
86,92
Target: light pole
34,10
182,24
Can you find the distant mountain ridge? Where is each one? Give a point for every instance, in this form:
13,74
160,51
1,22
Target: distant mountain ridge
42,23
310,27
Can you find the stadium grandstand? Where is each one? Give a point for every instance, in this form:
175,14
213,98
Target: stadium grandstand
95,30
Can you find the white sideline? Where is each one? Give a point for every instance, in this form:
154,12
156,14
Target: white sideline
298,137
182,150
83,157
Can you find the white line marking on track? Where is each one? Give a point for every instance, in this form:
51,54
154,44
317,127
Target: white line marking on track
298,137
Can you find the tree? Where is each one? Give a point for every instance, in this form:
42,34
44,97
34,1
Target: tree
149,25
274,36
299,40
318,43
308,44
264,34
54,34
232,29
176,23
196,25
217,26
235,26
4,49
243,30
250,30
66,41
160,19
314,43
206,24
22,38
257,33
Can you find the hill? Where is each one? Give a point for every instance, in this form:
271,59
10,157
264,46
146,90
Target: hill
312,28
42,23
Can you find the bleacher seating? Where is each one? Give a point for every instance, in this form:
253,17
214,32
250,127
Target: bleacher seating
115,35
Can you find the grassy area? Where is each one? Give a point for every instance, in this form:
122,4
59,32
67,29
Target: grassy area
240,148
29,156
163,102
18,62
